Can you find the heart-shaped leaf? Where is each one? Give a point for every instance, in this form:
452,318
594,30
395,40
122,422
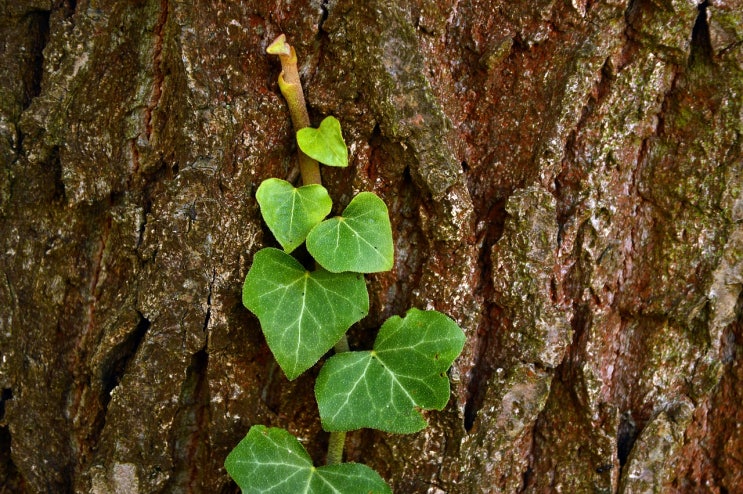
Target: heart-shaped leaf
302,313
271,460
384,388
360,240
292,212
325,143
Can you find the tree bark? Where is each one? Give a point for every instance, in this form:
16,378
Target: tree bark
563,178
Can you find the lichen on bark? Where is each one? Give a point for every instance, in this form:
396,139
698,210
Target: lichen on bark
385,54
525,282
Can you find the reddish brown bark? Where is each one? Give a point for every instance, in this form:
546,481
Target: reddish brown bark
564,180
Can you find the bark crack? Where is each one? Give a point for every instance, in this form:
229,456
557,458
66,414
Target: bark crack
325,9
701,43
121,355
208,315
6,395
10,478
39,30
484,365
114,369
626,435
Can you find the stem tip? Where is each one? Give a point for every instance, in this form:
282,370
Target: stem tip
279,46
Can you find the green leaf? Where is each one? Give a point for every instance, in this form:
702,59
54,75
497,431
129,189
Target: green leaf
384,388
302,313
270,460
292,212
325,143
360,240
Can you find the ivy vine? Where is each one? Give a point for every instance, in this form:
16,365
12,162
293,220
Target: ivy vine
306,313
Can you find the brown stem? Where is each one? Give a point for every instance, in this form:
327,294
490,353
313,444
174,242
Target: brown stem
291,89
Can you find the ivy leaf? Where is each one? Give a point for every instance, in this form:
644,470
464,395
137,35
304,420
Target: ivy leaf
360,240
325,143
271,460
385,388
302,313
292,212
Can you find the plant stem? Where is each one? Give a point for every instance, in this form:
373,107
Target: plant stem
335,448
291,89
337,440
342,345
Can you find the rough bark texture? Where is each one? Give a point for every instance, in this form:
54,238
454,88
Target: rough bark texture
564,180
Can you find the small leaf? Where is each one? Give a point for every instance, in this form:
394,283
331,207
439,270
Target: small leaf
325,143
384,388
271,460
302,313
360,240
292,212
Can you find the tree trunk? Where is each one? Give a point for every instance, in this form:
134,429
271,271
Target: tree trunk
563,177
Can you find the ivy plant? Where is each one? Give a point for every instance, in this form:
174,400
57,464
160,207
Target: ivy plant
305,207
272,460
304,313
385,388
359,240
325,143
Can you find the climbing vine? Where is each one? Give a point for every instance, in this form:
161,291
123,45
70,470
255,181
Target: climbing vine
304,313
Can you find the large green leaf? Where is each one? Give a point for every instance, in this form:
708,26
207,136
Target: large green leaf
385,388
325,143
302,313
360,240
292,212
270,460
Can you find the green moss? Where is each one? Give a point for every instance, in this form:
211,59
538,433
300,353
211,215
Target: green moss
498,52
664,27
